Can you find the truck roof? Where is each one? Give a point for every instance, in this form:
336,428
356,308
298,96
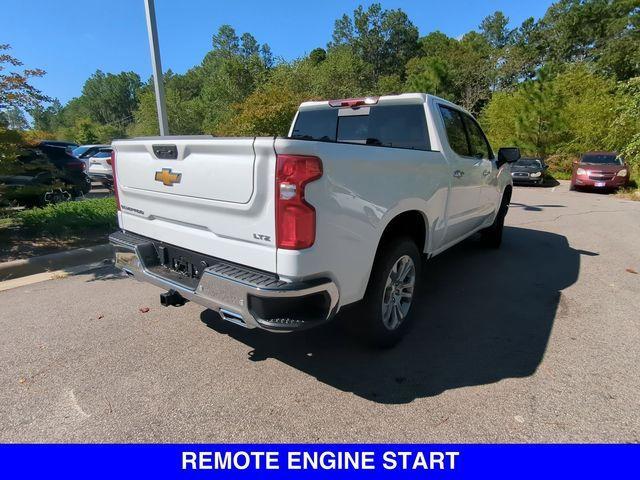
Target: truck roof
400,99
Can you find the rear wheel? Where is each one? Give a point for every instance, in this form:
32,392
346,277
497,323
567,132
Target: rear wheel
385,312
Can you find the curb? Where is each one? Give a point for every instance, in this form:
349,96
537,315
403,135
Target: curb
54,261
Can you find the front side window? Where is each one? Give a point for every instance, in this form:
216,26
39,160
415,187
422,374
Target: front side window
478,142
456,133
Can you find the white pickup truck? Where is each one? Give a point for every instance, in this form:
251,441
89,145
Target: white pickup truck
281,233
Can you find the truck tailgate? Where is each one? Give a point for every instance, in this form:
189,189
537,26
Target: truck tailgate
210,195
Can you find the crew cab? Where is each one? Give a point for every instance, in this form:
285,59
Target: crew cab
281,233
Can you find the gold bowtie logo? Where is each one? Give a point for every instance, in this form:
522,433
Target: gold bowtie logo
167,177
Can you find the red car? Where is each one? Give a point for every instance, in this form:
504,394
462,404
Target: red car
600,170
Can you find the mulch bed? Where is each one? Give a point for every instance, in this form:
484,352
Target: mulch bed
16,244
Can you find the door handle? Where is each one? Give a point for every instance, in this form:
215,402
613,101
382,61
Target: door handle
458,174
485,173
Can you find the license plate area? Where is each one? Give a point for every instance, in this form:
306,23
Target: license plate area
179,265
600,184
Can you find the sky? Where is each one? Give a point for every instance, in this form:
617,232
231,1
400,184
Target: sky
71,39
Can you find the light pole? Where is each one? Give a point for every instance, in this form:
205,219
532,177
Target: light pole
152,30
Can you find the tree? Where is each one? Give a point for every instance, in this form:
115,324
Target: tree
184,106
46,118
460,70
16,95
317,56
230,72
267,111
386,39
15,89
13,119
602,31
624,132
529,117
111,98
522,56
432,75
494,29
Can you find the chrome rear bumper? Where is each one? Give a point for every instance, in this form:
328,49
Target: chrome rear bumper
239,294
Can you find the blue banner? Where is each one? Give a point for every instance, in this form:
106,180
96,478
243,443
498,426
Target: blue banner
291,461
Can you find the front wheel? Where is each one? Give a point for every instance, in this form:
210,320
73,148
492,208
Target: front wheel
492,235
386,308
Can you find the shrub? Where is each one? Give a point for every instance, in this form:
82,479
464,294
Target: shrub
71,217
561,162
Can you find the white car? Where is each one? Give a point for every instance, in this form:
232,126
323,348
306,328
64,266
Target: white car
281,233
84,152
99,169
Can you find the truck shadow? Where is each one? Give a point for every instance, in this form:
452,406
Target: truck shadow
482,316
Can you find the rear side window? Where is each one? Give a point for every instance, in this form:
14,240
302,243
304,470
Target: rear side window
316,125
397,126
456,133
102,154
479,145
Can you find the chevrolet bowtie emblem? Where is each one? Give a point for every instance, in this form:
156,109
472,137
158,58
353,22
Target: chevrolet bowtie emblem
167,177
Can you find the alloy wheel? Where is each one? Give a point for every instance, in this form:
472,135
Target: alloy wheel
398,292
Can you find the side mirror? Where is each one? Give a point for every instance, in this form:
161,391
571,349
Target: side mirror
508,155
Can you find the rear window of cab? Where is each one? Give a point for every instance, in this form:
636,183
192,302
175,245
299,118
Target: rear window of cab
395,126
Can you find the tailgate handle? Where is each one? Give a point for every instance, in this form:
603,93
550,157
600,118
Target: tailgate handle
165,152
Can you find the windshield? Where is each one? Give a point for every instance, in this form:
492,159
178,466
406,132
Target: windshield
76,152
602,159
529,162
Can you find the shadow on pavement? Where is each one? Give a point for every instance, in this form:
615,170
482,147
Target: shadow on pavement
548,182
482,316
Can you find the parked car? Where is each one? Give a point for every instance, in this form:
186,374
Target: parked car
68,146
46,173
100,167
600,170
528,171
83,152
280,234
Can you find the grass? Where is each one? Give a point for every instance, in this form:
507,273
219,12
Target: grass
632,192
70,217
559,175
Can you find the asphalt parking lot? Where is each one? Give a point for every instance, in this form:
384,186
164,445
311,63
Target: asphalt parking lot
539,341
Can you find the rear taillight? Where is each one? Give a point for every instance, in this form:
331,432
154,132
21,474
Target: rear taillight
295,218
112,162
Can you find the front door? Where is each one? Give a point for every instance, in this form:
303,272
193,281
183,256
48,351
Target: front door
464,208
481,150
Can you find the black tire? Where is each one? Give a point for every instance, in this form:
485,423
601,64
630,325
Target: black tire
370,321
492,235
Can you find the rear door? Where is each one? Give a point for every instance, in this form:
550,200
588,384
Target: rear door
209,195
464,207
